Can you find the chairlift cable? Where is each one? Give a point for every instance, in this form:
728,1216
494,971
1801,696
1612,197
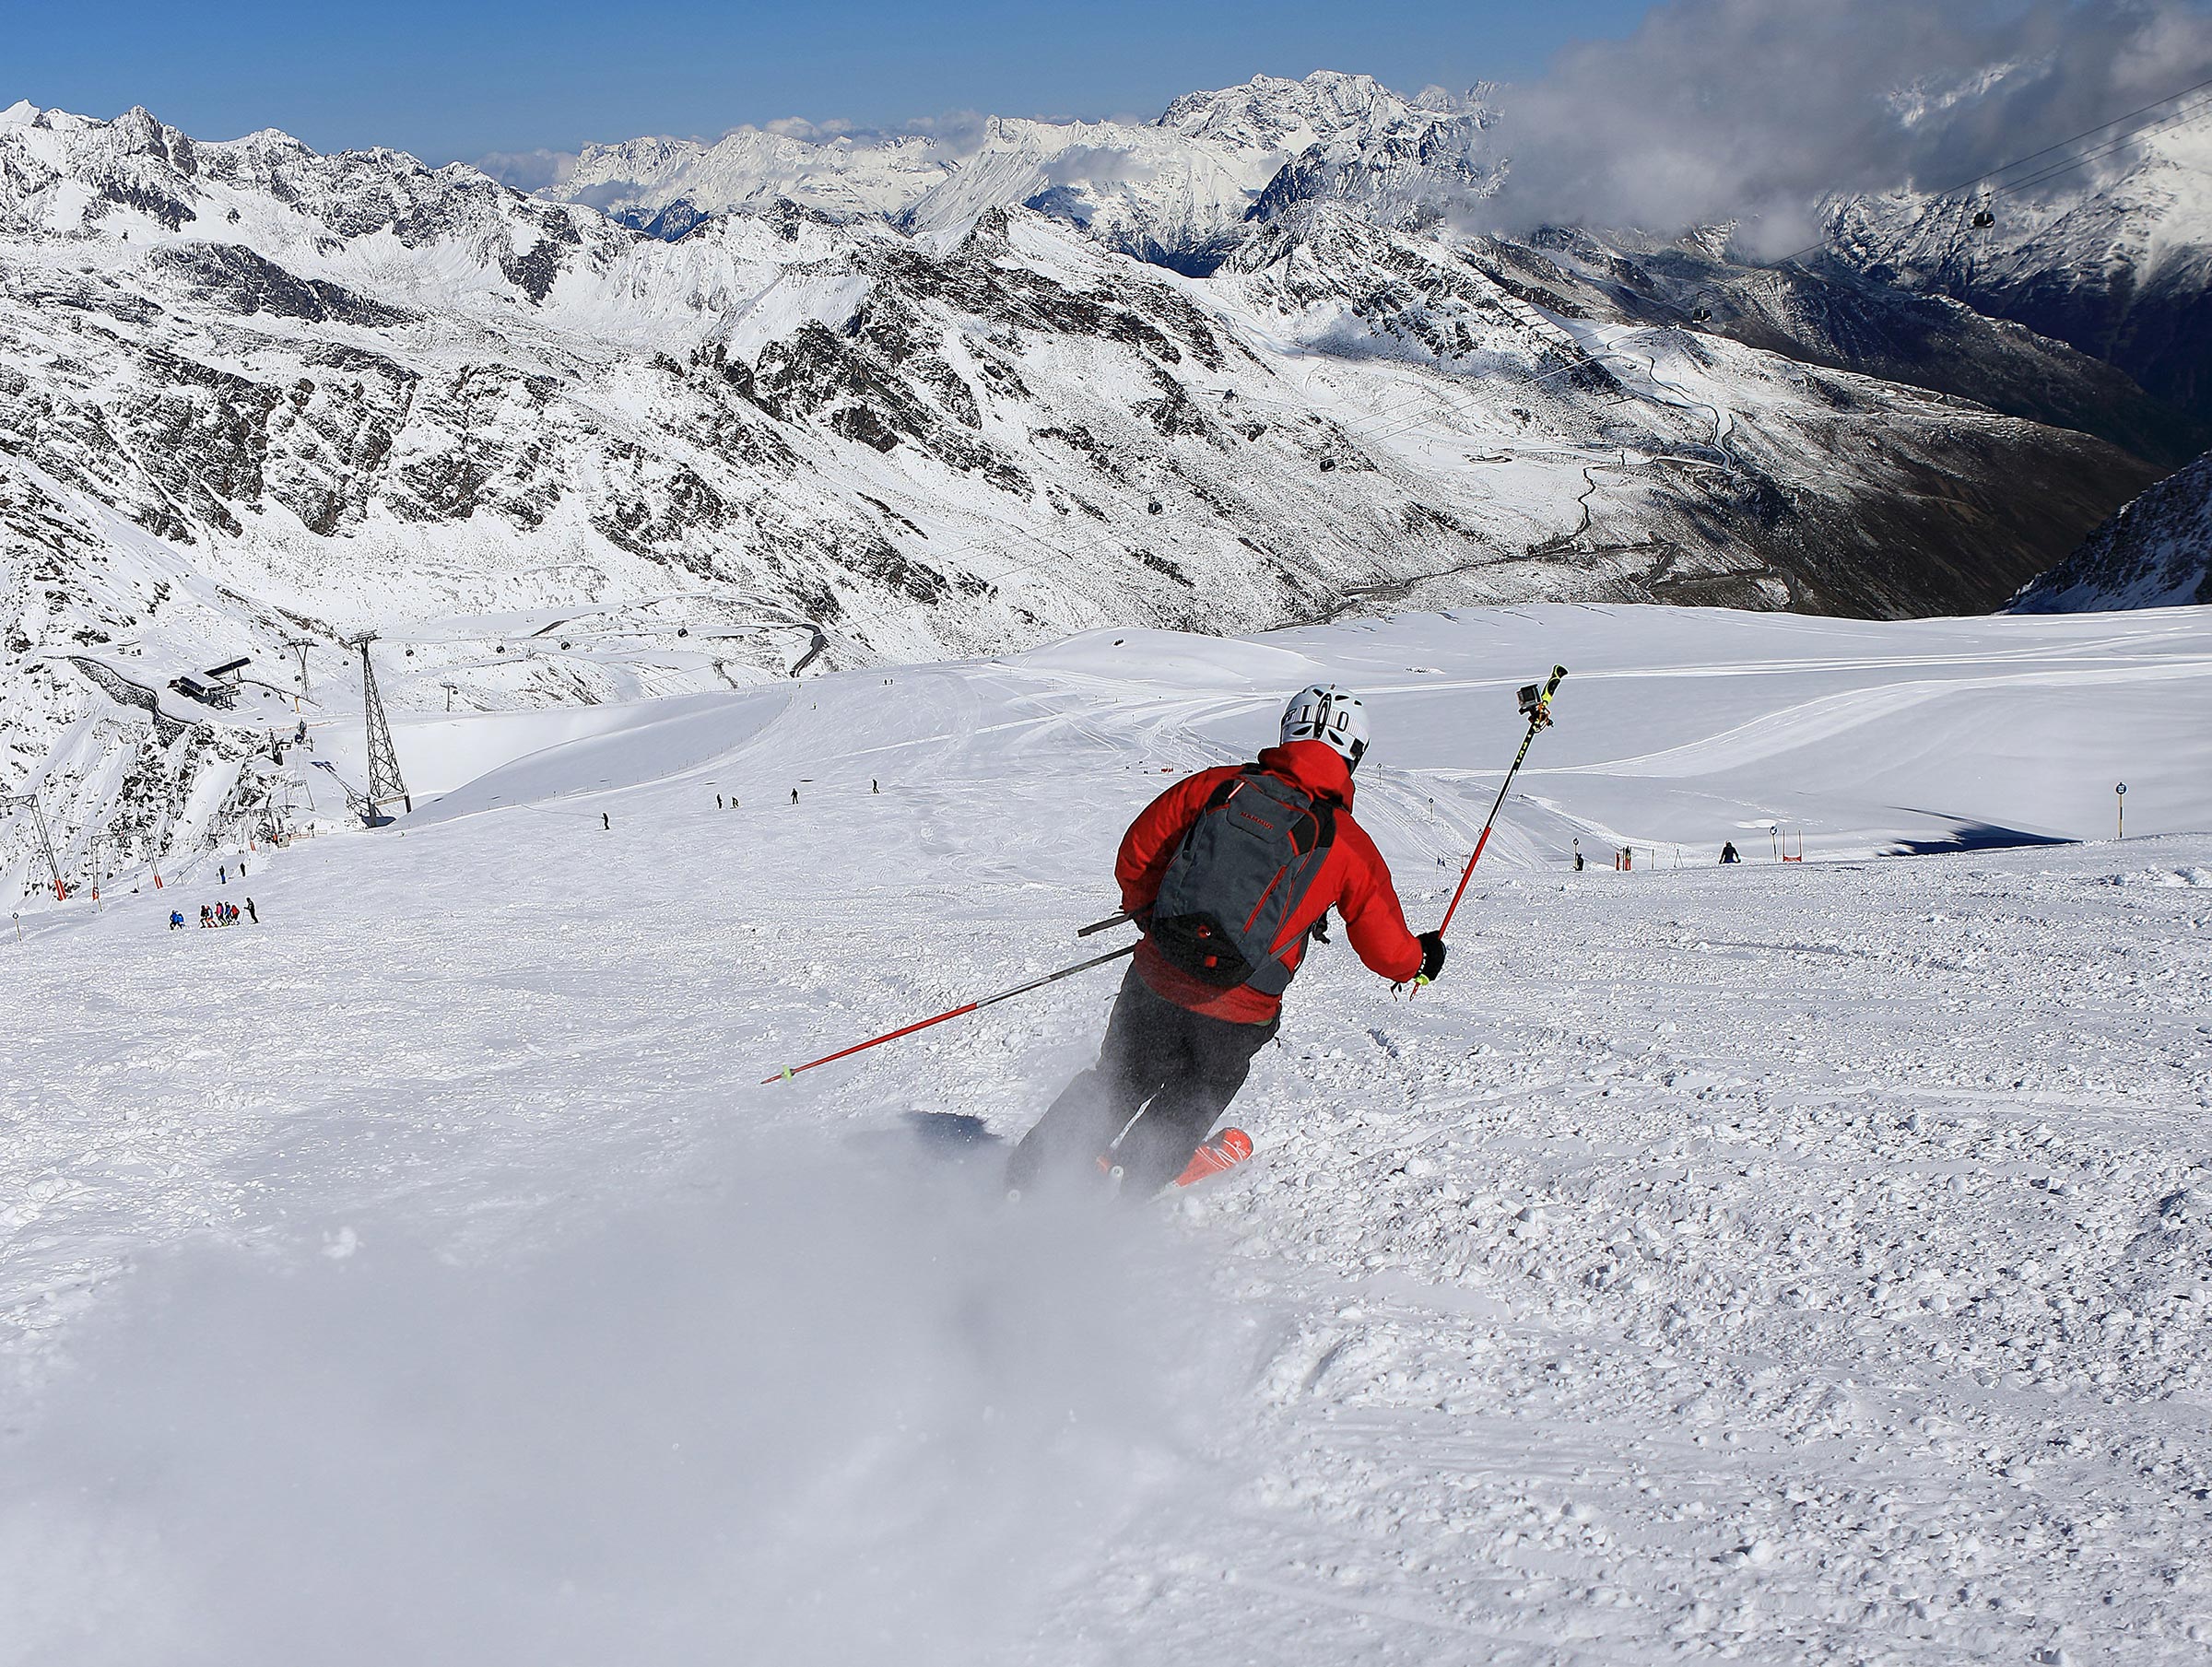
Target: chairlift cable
2181,118
2062,144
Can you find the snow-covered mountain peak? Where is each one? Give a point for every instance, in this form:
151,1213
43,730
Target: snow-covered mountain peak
376,219
1143,188
845,176
1159,189
136,133
648,154
1284,117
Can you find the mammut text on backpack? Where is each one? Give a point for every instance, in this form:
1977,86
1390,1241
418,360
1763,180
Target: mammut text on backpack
1240,870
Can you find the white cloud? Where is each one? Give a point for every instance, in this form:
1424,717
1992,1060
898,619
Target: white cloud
812,133
529,170
1748,110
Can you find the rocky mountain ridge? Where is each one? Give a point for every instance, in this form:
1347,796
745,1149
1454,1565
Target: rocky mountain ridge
2113,259
2155,552
252,396
666,186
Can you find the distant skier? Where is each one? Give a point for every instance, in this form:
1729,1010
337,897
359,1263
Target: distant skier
1228,873
253,913
874,786
795,795
222,875
1728,852
1578,856
717,801
176,920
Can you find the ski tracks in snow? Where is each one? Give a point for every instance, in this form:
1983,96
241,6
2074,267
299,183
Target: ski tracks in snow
1797,1299
1802,1262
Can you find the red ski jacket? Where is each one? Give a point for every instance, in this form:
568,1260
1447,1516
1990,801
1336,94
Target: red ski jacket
1352,879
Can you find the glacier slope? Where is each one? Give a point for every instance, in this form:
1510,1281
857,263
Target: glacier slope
1784,1262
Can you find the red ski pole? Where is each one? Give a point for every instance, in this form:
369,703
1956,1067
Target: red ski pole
1536,702
1005,995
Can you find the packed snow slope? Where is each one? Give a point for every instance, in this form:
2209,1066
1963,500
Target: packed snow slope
2157,552
1781,1263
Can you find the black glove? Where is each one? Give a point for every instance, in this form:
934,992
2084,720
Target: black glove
1320,929
1433,954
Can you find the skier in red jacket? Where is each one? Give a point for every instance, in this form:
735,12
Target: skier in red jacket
1230,872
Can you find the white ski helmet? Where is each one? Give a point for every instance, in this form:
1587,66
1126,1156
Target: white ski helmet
1328,714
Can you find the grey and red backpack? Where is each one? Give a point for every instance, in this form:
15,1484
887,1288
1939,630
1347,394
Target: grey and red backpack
1232,884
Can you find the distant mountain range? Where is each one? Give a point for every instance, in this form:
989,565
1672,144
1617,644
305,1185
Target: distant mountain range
1164,191
723,412
2114,260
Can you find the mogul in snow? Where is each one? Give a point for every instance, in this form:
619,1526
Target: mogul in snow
1229,873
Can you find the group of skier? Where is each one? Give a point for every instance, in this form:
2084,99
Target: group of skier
215,914
875,787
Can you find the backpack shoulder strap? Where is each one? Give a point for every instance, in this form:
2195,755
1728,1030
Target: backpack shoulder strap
1324,813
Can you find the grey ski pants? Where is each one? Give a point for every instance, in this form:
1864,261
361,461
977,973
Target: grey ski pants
1181,1067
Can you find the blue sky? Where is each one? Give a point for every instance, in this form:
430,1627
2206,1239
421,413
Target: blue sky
450,79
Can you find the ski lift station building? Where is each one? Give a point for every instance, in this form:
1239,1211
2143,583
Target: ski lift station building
218,686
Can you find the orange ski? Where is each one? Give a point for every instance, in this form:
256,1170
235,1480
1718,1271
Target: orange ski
1224,1151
